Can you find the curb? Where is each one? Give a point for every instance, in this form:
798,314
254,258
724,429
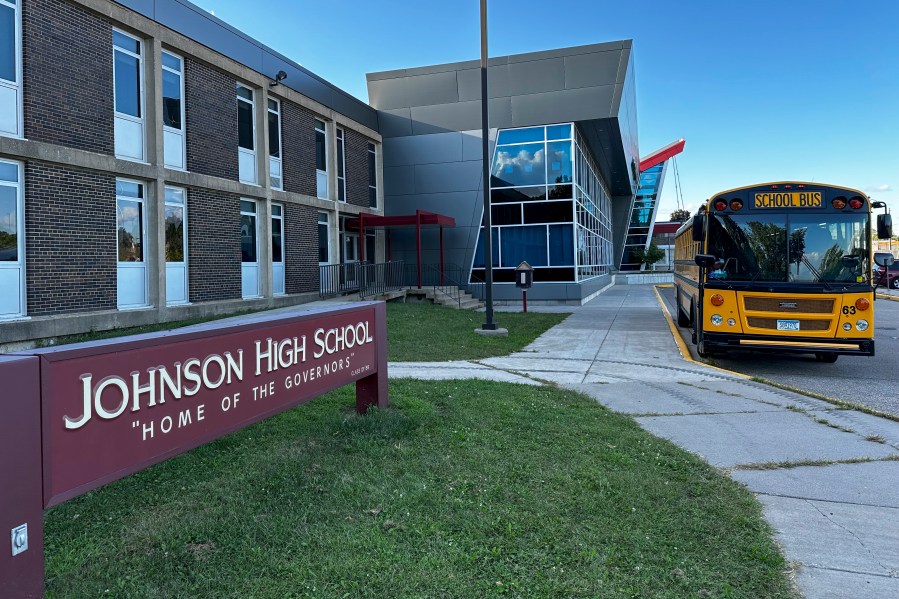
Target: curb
681,344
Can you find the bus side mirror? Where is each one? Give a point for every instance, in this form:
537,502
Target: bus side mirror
699,227
884,259
884,226
704,260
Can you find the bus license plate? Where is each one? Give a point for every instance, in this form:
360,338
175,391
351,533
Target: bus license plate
787,325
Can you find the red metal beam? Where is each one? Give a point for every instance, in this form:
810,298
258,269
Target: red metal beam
659,156
420,218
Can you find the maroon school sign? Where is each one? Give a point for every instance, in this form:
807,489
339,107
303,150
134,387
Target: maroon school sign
78,417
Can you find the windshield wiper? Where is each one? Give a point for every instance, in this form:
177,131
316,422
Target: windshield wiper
815,272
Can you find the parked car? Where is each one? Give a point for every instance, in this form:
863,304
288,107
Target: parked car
887,277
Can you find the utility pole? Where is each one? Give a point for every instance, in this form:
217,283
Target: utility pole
489,325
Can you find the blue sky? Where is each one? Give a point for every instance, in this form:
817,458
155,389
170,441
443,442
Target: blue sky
761,90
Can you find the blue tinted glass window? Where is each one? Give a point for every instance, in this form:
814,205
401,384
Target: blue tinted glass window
517,136
245,125
519,165
558,162
7,43
561,245
172,62
125,42
9,224
524,243
129,189
129,215
171,99
127,84
9,172
479,251
558,132
518,194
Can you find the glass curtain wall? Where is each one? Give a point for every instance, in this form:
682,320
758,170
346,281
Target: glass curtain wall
642,217
548,208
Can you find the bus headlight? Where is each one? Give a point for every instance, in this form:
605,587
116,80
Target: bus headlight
717,320
862,325
847,326
731,322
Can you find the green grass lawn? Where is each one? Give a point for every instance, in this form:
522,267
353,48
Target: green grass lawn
419,332
416,332
459,489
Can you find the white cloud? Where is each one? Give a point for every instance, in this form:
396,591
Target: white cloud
879,188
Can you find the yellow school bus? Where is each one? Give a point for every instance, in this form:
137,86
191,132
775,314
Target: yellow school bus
781,267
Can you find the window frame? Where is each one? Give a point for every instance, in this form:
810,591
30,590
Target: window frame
184,225
21,262
327,223
320,172
340,136
142,120
183,130
184,241
144,262
240,149
280,156
280,219
373,176
16,86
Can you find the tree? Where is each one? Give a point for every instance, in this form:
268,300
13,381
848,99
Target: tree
680,215
650,255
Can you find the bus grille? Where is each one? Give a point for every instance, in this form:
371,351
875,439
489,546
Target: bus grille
804,324
788,304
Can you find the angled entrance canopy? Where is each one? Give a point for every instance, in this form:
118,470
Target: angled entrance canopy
659,156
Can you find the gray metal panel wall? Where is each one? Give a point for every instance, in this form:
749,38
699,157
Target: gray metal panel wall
427,113
438,172
197,24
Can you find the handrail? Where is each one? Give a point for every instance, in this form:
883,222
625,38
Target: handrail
381,277
363,278
449,283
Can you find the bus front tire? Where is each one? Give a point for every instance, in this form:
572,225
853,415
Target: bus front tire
826,358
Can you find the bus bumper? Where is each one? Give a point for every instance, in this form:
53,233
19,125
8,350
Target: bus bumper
799,345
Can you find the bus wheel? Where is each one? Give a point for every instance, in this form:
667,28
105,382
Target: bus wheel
826,358
682,319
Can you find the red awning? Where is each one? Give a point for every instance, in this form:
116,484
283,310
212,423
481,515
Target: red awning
422,218
659,156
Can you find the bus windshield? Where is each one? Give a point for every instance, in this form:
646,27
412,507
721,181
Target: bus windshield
813,248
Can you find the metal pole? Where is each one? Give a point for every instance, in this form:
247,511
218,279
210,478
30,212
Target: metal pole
489,325
524,300
418,243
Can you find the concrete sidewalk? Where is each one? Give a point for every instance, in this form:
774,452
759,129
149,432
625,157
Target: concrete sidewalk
838,520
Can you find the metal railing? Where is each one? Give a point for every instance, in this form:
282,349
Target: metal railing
451,280
381,278
360,277
339,279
